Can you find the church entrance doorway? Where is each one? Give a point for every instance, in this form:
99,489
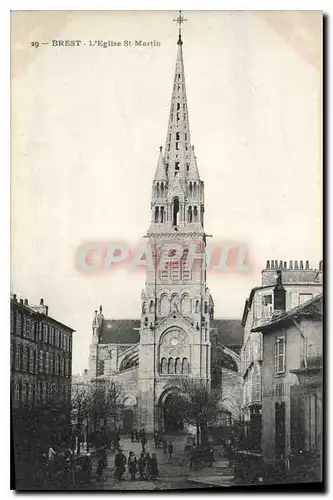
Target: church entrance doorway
128,419
172,414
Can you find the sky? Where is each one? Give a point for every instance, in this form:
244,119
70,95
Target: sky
87,123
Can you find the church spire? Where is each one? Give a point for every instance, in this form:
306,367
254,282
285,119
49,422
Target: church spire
160,174
178,144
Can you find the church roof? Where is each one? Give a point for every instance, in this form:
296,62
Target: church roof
119,331
229,331
124,331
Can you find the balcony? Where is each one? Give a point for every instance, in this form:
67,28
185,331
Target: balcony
313,357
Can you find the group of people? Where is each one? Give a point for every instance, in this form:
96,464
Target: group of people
146,466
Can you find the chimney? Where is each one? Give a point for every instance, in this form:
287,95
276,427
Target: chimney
21,302
276,264
46,310
296,264
26,302
290,264
285,264
41,302
272,264
301,264
267,265
306,264
279,294
280,265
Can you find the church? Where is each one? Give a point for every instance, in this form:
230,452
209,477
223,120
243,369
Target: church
177,334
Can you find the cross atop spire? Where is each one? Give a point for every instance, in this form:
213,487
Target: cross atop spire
180,20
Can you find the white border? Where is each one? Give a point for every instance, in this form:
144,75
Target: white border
5,7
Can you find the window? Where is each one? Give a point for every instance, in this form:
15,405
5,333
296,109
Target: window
39,391
56,369
17,394
164,366
66,367
31,361
47,363
45,332
24,326
279,355
25,359
185,367
24,395
41,361
18,323
177,146
12,321
304,297
44,397
28,333
257,381
30,395
177,136
18,358
177,166
171,365
11,355
280,390
51,363
62,367
178,366
40,331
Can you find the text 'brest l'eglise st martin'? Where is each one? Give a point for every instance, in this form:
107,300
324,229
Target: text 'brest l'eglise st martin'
105,43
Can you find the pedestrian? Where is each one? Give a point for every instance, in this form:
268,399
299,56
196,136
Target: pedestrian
153,467
165,446
211,458
137,436
170,449
148,465
51,454
132,465
156,437
143,443
132,436
119,462
142,466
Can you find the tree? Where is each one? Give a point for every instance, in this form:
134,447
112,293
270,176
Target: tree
198,404
98,400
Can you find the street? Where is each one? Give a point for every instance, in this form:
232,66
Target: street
173,474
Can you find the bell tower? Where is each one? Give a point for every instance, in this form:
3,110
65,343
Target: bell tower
176,304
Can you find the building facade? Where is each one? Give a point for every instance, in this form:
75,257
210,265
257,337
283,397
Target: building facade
172,338
301,284
40,356
292,390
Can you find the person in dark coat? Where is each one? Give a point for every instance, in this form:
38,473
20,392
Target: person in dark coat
143,443
119,462
148,459
153,467
137,436
170,449
131,462
142,466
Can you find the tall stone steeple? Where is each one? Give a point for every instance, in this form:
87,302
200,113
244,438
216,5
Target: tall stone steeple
177,195
176,306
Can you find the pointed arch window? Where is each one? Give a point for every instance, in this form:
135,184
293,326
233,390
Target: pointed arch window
177,136
195,214
156,214
178,366
164,305
151,306
190,214
162,214
175,212
171,365
185,367
157,190
164,366
191,189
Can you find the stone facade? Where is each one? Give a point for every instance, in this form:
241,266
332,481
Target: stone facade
301,284
40,356
177,310
292,387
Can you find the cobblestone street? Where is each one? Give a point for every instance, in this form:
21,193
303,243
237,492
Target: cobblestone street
172,474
